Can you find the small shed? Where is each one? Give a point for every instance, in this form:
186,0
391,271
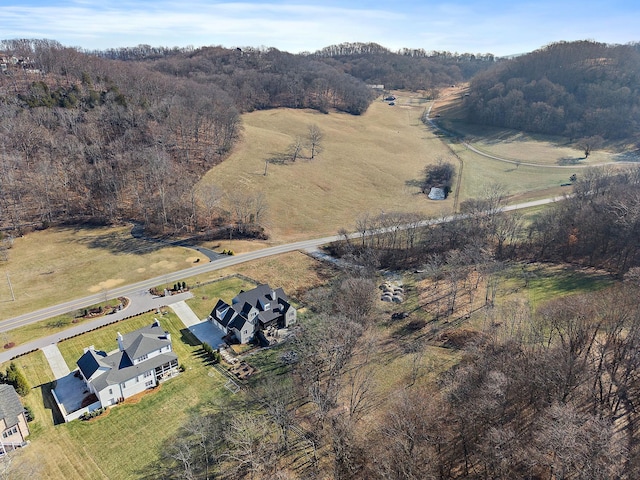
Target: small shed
437,193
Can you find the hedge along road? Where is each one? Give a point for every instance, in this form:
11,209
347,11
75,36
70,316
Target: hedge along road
135,292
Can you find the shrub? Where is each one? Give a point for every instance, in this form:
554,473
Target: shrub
94,414
28,412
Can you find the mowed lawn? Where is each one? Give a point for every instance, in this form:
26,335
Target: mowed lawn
369,164
126,442
59,264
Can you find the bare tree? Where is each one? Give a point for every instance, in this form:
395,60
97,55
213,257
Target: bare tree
294,150
314,138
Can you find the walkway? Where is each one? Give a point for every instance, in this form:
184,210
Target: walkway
56,361
185,313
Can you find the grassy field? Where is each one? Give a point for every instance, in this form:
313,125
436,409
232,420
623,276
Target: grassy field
520,146
58,264
295,272
206,296
369,163
125,442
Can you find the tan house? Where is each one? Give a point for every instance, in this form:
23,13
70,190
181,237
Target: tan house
13,422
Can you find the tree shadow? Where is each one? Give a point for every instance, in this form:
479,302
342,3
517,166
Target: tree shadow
277,159
119,243
187,337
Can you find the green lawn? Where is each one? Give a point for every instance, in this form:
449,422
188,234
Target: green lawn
125,443
548,282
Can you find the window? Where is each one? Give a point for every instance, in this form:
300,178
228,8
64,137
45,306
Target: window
143,357
110,391
11,431
148,374
149,383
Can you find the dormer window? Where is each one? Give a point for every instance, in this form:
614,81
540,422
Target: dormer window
143,358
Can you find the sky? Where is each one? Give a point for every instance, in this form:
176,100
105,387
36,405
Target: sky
500,27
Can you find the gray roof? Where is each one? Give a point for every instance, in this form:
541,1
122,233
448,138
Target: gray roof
91,361
235,315
10,406
122,369
261,294
145,340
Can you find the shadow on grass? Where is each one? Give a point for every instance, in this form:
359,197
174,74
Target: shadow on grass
189,338
50,403
117,242
413,182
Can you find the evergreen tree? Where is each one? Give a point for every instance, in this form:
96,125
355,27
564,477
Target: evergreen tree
17,379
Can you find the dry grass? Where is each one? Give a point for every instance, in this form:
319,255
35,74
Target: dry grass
295,272
370,163
545,150
59,264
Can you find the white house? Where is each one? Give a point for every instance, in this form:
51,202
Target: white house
144,358
262,308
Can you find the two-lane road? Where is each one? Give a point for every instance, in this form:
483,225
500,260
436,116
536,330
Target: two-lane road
133,289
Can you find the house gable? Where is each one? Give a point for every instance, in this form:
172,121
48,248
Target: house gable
144,356
13,423
252,310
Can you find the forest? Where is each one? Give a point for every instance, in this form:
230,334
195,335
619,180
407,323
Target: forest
124,134
544,391
575,89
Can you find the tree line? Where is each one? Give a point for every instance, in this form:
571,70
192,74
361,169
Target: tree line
575,89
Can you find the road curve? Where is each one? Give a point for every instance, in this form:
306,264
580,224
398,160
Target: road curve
477,151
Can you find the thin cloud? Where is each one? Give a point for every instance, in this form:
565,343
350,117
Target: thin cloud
496,26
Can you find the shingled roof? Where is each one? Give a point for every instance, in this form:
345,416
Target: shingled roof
10,406
145,340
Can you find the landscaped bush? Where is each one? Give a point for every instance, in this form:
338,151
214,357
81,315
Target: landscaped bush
94,414
28,412
213,355
16,378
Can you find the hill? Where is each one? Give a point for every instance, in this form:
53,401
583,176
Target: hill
576,89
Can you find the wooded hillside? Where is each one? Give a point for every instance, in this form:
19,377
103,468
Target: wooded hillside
578,89
87,138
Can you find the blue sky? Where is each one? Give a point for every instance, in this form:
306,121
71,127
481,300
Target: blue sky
500,27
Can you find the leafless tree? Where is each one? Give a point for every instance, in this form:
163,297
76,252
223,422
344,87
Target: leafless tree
314,138
294,150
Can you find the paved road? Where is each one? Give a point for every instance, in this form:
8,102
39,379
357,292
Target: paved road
434,124
140,302
138,292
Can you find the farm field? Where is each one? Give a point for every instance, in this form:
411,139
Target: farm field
369,163
517,146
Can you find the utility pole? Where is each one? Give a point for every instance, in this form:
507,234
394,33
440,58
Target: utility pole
13,297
